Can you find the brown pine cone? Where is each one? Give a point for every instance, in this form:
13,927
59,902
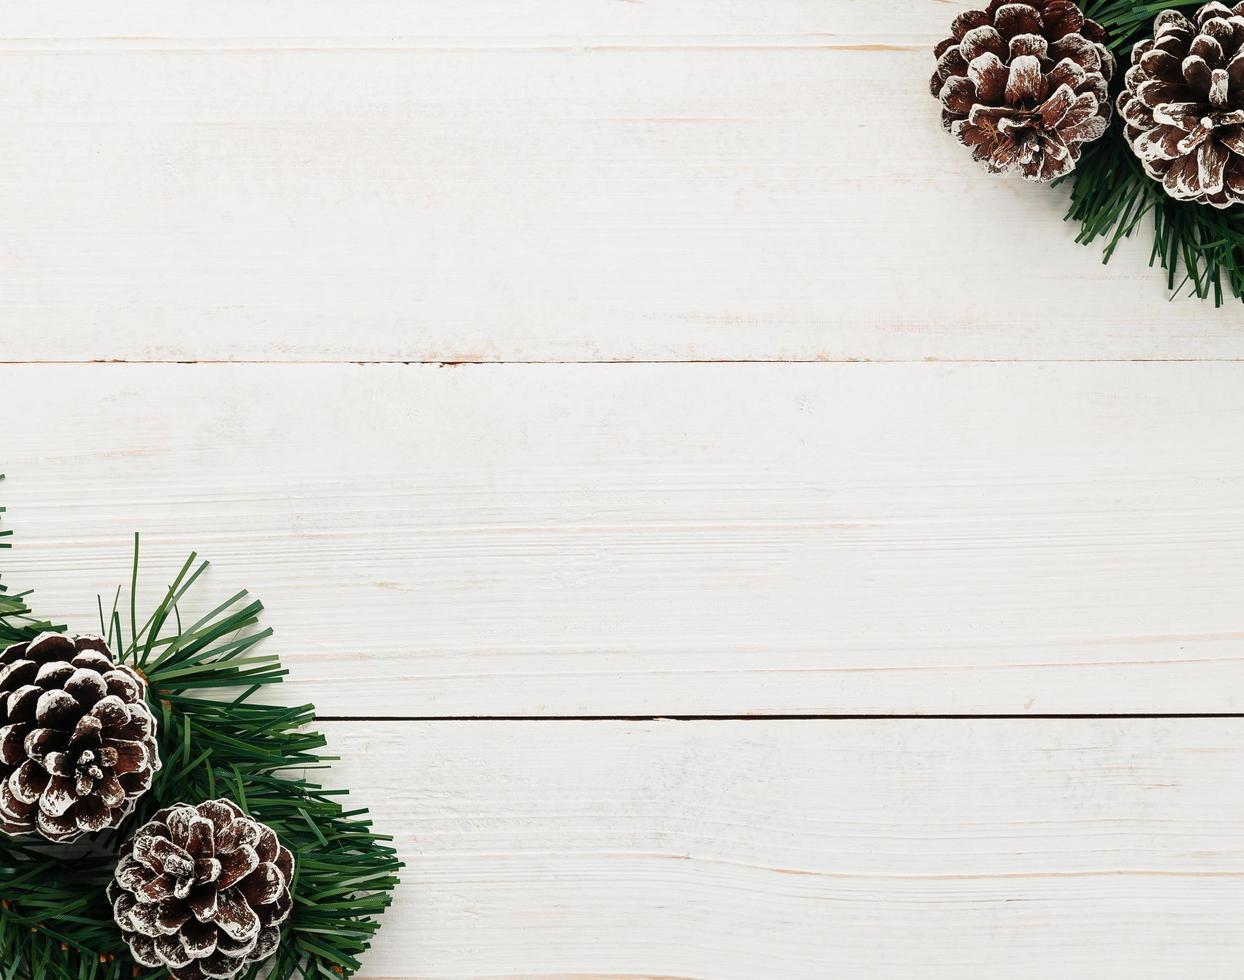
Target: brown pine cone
1183,104
1025,85
77,740
202,891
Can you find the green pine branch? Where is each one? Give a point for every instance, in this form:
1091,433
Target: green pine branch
215,740
17,623
1198,246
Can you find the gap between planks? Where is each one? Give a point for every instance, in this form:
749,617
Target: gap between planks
790,717
499,45
610,362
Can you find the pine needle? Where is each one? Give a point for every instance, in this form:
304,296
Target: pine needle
55,920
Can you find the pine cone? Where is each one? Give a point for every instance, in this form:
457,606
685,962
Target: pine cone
1183,104
202,891
77,740
1025,85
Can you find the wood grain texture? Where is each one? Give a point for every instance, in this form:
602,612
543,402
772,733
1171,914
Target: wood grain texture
585,181
859,850
619,180
667,539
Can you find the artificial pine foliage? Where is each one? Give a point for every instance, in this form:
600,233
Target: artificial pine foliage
217,739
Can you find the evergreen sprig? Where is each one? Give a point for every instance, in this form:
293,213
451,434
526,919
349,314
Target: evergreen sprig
215,740
1199,246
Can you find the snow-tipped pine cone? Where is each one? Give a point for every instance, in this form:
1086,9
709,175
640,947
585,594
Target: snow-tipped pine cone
202,891
1025,85
77,740
1183,104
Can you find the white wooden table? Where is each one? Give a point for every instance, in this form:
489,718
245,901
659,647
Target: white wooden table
729,535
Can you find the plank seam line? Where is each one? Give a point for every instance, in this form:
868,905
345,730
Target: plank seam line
635,362
795,717
450,44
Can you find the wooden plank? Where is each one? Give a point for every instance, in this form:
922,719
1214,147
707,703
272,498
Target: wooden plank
397,181
137,22
666,539
144,21
860,850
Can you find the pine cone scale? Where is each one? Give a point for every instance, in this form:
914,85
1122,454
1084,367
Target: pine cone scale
236,866
91,814
982,40
1212,166
204,903
58,796
235,918
988,77
22,703
28,782
1025,83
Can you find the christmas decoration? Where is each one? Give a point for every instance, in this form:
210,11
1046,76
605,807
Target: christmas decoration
1024,85
202,891
1183,104
1028,87
198,678
77,740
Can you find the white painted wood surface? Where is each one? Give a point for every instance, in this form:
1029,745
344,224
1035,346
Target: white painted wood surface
947,850
556,180
295,181
669,539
